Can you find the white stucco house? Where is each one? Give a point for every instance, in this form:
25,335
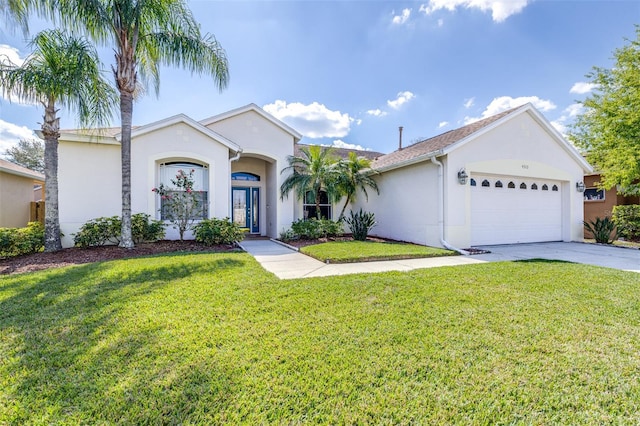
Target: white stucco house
520,186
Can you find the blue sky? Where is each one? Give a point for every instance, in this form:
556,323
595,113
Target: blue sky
350,72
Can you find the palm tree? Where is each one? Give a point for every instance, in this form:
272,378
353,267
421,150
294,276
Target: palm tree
354,176
145,35
62,71
314,171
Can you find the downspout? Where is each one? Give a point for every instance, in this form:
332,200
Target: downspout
231,160
441,210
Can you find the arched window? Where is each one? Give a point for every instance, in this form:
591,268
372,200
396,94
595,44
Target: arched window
534,187
309,205
511,185
523,185
498,184
473,182
486,183
199,174
554,188
545,187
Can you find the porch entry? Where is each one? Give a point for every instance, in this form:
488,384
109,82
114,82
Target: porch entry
246,208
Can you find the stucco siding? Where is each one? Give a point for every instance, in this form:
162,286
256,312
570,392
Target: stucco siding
89,184
406,208
16,194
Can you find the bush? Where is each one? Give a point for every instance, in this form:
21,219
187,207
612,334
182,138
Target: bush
217,231
287,235
360,224
627,220
603,230
18,241
316,228
145,229
106,230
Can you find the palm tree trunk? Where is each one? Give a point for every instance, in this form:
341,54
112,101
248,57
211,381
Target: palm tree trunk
126,117
51,133
318,215
346,203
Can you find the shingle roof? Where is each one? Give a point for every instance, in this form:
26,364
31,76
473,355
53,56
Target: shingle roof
435,143
343,153
14,169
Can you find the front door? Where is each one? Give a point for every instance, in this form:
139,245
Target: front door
246,208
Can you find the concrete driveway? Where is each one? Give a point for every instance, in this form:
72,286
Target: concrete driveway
626,259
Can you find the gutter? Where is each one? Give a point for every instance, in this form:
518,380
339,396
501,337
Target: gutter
441,210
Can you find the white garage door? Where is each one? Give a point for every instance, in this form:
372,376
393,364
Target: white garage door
511,209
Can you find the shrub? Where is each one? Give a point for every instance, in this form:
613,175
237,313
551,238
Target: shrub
627,220
603,230
287,235
218,231
181,204
106,230
360,224
145,229
18,241
98,232
315,228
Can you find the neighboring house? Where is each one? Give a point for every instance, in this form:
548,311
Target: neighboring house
16,193
509,178
521,184
600,202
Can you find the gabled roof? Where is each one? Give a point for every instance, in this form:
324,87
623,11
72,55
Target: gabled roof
112,135
453,139
181,118
14,169
343,153
255,108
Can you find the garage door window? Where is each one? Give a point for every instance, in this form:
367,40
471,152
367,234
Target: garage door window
534,187
511,185
498,184
554,188
473,182
486,183
523,185
545,187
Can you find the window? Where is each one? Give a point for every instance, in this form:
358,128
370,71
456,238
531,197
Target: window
534,187
486,183
168,172
545,187
498,184
593,194
309,205
523,185
554,188
473,182
511,185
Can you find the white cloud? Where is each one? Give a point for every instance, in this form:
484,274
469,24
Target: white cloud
442,124
581,88
569,112
403,98
440,22
11,54
560,126
377,112
500,9
574,109
468,103
341,144
402,18
10,134
314,120
504,103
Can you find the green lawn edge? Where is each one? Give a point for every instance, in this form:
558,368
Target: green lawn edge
370,251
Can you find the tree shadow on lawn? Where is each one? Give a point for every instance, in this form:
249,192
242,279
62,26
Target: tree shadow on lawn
90,343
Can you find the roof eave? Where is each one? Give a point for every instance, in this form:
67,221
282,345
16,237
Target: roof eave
419,159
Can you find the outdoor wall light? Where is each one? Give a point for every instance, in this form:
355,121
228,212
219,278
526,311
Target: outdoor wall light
462,176
580,186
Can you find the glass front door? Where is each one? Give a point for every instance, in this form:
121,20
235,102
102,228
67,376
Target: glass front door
246,208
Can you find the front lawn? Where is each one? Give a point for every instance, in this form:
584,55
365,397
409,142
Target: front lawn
366,251
213,338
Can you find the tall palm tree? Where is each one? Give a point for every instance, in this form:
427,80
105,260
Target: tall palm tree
354,176
145,34
62,71
315,170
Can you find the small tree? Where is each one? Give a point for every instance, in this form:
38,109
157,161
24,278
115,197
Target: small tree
180,204
27,153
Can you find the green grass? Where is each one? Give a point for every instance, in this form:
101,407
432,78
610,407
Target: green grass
213,338
366,251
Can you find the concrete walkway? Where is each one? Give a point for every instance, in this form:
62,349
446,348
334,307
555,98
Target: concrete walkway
287,264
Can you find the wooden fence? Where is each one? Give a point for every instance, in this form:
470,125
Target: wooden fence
36,213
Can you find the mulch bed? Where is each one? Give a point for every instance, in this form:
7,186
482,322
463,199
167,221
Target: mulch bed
77,256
